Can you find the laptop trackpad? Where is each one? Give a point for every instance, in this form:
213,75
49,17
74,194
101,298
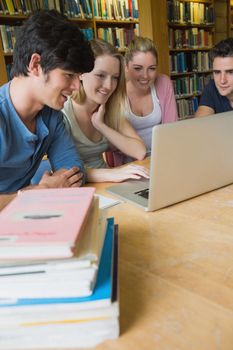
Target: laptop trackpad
132,190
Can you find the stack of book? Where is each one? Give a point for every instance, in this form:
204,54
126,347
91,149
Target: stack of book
58,271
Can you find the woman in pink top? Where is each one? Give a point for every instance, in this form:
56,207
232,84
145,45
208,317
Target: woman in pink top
150,96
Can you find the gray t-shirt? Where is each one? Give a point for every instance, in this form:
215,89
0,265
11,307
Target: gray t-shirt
90,152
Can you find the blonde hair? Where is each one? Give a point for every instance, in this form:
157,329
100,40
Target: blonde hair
140,44
114,108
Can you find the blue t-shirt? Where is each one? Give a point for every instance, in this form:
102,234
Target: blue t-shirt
211,98
21,151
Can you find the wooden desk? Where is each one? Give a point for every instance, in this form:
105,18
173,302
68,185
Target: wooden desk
176,275
5,199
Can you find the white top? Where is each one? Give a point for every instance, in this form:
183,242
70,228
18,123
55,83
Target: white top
143,125
90,152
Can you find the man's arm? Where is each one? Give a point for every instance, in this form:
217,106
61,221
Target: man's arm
63,156
62,178
203,111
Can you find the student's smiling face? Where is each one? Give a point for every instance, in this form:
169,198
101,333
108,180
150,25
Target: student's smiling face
141,71
223,76
57,85
102,81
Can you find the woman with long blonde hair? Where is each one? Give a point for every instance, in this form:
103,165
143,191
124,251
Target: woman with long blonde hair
94,115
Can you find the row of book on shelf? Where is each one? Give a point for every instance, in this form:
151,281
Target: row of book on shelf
189,85
190,61
119,37
116,9
9,33
189,12
102,9
187,107
190,38
58,271
72,8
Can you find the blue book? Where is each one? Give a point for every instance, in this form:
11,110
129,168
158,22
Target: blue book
89,11
195,103
102,295
88,33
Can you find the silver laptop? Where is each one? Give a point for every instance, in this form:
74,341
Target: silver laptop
188,158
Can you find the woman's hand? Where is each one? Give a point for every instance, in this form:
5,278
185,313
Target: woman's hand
117,174
127,172
125,139
97,117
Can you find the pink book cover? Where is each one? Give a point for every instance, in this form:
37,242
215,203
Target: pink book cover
45,217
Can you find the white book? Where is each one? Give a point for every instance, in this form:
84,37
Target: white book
81,322
59,336
107,202
75,283
19,318
102,295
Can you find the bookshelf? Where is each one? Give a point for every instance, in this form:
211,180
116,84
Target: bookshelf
112,20
230,18
190,38
222,17
187,40
183,31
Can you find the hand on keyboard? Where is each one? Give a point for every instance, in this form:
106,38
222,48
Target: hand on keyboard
127,172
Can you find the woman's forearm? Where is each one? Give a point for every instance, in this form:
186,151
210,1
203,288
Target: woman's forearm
131,146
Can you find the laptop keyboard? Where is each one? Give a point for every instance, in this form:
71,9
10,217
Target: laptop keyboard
143,193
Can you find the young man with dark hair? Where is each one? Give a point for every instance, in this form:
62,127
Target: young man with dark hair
217,96
49,55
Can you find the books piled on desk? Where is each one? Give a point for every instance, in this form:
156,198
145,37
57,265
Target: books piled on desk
73,303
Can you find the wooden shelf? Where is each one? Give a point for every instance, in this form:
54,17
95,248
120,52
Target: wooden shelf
229,18
13,17
179,74
208,2
198,28
190,49
180,97
190,25
107,21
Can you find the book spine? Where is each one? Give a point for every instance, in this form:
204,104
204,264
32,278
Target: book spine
4,38
10,7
